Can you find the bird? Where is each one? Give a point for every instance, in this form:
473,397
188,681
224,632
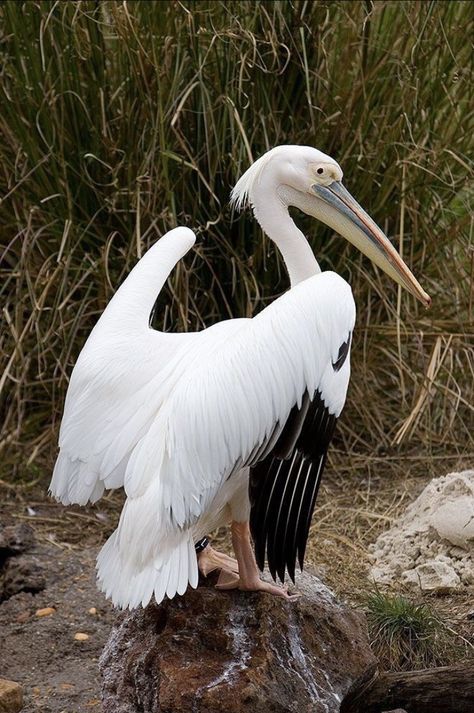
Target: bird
227,425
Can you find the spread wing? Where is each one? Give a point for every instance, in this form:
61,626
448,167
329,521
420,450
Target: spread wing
122,376
284,485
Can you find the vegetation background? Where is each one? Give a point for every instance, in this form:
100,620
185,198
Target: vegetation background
121,120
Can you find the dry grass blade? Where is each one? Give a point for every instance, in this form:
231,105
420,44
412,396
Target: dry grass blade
427,389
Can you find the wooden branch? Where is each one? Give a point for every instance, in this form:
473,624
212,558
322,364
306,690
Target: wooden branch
449,689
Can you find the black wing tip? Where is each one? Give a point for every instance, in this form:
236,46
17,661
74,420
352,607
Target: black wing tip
283,489
280,571
260,559
301,554
272,570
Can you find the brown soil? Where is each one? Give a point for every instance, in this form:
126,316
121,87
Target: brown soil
60,674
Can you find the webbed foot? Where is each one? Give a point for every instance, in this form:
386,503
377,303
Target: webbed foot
255,584
210,559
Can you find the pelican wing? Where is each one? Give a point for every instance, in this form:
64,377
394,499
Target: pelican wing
284,486
122,376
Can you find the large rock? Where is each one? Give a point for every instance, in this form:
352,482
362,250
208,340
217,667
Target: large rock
212,651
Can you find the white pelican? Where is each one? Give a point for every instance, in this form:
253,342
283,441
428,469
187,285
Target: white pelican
230,424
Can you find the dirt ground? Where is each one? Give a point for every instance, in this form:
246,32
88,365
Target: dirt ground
59,674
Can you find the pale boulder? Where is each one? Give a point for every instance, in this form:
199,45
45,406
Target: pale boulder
454,521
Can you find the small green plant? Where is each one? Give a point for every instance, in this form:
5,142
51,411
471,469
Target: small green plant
406,635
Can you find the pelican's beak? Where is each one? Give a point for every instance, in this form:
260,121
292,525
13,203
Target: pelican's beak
345,215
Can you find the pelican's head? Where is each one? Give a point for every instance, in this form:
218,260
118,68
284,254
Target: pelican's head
312,181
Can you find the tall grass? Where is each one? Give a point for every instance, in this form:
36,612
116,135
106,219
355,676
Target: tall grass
120,120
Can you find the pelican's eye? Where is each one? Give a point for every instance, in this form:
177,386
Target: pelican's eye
320,170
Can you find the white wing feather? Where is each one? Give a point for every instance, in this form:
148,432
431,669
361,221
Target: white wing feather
120,380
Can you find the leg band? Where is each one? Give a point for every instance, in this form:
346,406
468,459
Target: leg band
201,545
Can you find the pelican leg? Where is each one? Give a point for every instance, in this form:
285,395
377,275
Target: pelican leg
248,579
209,560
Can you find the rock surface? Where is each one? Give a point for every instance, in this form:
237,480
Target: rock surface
212,651
15,539
11,696
22,574
431,546
19,572
454,521
433,576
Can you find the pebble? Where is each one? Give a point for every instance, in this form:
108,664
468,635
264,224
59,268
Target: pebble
79,636
93,702
93,611
11,696
47,611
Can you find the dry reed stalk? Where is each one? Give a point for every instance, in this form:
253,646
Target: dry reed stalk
121,120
